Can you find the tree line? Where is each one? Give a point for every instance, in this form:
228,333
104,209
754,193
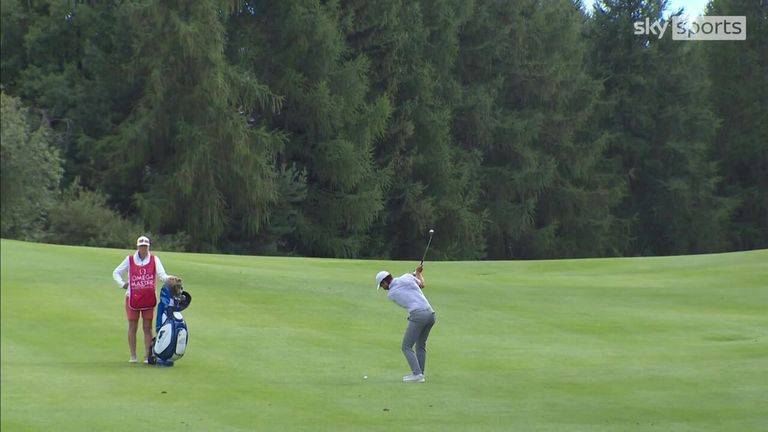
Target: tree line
348,128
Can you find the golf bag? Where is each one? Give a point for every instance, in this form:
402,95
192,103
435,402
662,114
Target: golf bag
171,341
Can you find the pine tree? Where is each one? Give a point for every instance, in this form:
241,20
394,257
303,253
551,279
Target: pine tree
194,154
413,48
330,120
54,57
739,73
527,105
661,127
574,215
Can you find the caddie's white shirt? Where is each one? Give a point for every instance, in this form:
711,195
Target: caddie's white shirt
405,291
124,266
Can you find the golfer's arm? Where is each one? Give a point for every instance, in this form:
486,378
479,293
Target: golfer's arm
420,277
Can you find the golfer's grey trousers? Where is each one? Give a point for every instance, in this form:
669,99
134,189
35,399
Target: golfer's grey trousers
420,323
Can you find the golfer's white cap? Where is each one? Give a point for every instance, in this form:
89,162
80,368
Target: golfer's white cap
380,276
142,241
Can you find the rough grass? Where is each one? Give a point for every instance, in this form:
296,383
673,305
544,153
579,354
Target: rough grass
282,344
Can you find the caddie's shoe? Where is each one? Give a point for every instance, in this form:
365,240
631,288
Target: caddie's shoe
132,360
414,378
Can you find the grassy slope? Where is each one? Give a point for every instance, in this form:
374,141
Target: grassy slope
282,344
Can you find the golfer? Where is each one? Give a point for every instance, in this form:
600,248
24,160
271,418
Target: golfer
143,271
406,292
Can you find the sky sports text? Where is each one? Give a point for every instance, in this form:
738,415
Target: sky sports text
696,28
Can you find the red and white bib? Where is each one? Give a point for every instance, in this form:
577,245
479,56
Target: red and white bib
141,285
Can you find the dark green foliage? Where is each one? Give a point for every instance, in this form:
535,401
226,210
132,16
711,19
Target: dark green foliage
661,124
527,106
83,218
30,170
73,58
349,128
433,182
193,154
740,94
329,118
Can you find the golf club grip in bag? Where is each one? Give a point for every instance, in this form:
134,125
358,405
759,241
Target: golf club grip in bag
171,340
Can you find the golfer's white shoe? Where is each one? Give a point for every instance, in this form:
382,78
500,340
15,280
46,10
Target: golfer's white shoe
132,360
414,378
407,376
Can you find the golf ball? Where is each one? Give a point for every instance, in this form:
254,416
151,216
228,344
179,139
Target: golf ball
365,376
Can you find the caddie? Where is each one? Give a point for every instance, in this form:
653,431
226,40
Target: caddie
143,269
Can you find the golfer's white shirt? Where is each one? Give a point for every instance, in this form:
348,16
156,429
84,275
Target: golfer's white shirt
405,291
124,266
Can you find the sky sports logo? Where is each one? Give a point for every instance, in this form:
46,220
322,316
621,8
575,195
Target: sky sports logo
696,28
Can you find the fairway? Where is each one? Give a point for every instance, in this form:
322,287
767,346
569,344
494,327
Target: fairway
282,344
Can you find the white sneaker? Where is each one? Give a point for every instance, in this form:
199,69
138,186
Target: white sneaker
414,378
410,375
132,360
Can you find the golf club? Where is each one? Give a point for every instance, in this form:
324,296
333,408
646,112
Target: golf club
431,233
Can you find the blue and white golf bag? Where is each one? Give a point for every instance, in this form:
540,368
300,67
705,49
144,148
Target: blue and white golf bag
171,340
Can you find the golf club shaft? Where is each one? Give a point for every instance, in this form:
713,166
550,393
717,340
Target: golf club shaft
427,248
